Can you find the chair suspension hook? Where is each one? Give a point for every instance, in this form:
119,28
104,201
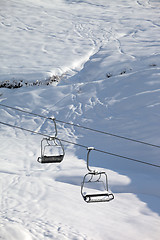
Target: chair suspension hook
55,126
89,149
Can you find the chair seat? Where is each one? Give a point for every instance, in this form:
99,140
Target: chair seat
52,159
98,197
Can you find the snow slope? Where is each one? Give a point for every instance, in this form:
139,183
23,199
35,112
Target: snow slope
107,57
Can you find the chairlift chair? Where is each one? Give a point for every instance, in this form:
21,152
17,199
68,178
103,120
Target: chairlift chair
99,179
52,150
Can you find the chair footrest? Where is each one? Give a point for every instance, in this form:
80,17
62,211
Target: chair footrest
98,197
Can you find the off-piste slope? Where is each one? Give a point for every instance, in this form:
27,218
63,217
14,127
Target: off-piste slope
108,54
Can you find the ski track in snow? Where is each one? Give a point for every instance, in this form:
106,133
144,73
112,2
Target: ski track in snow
109,56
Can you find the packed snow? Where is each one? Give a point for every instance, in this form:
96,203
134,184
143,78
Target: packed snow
93,63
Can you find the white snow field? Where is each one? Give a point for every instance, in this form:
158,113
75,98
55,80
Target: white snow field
105,59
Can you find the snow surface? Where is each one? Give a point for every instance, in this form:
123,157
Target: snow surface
107,55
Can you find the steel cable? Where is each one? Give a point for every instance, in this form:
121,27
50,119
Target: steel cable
80,145
80,126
